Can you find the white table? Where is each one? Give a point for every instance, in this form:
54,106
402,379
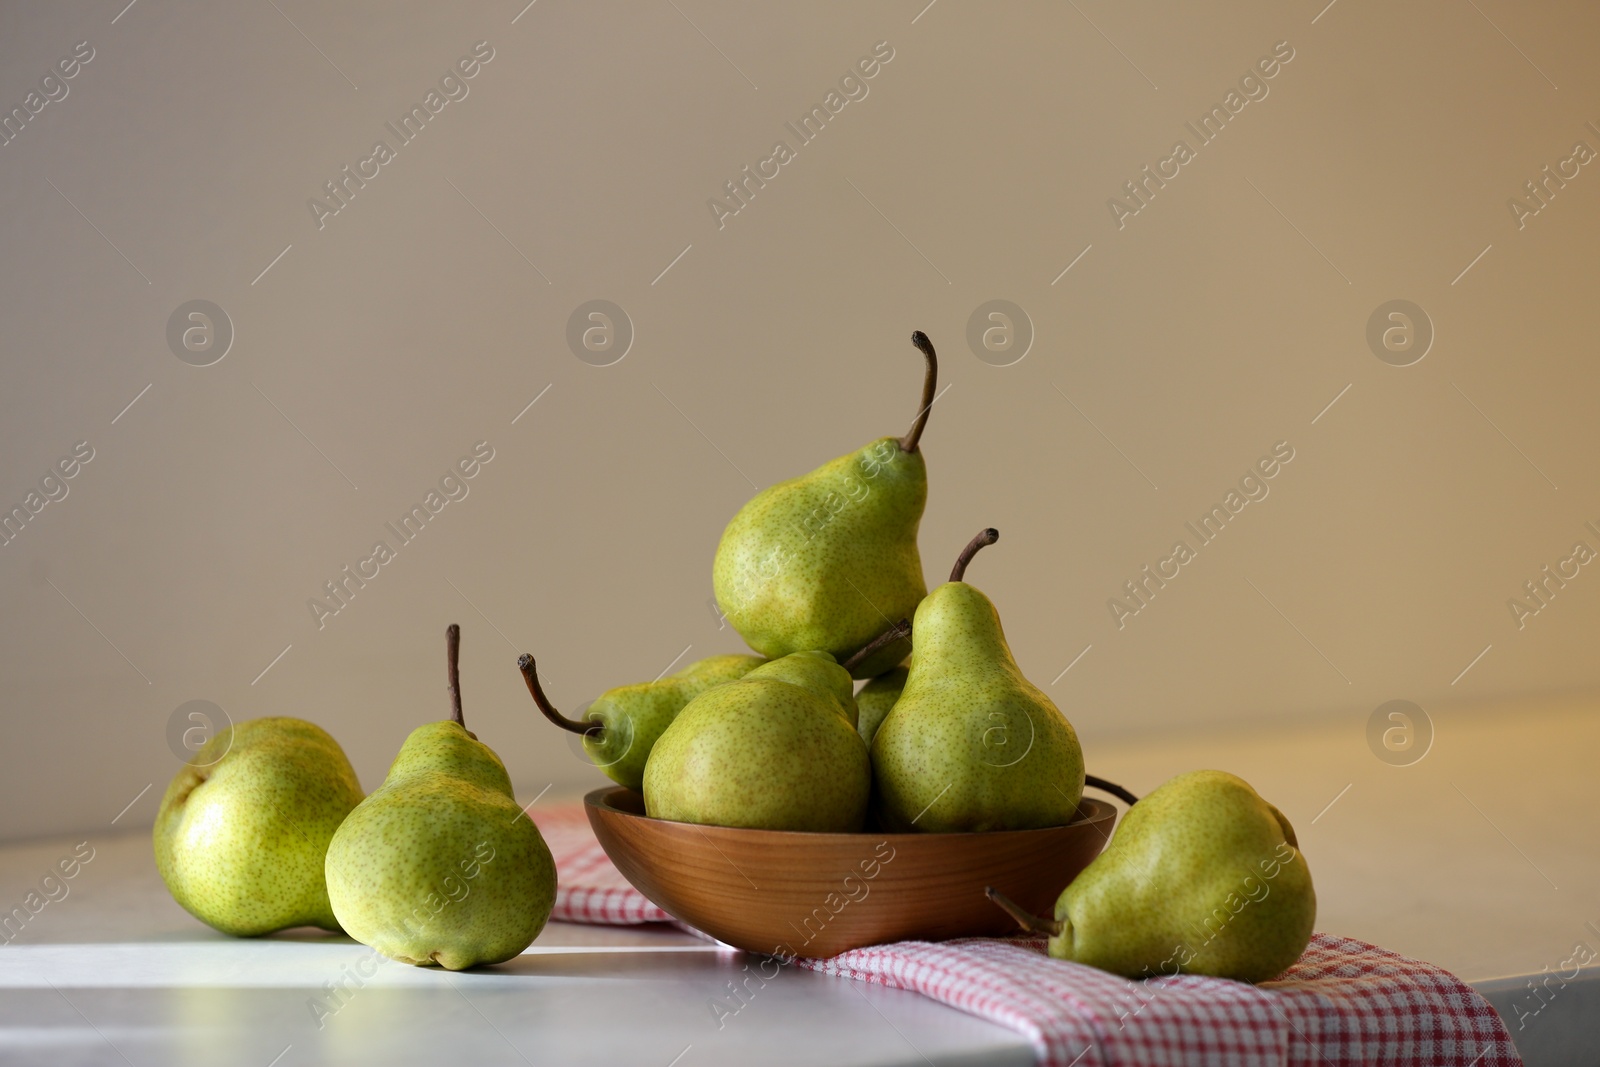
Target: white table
116,973
1482,857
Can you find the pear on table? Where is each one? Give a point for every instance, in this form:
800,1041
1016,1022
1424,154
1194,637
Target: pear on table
971,744
819,562
622,725
772,751
1203,876
440,865
244,826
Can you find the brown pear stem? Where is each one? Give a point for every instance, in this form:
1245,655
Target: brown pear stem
1025,919
452,654
889,636
930,382
530,674
1110,787
987,537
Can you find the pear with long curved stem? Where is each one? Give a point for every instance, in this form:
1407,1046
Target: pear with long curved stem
823,561
622,725
971,744
441,865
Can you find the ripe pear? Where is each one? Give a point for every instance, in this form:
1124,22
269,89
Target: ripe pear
243,828
820,561
876,699
1203,876
763,753
819,672
620,727
440,865
971,744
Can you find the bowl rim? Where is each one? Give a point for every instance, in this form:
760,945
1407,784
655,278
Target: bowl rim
1091,811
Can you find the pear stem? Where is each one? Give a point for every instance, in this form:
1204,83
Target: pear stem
1110,787
1025,919
452,653
930,382
892,634
530,674
987,537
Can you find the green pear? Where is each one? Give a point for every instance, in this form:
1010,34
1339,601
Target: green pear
822,560
818,672
620,727
243,828
1203,876
876,699
440,865
762,753
971,744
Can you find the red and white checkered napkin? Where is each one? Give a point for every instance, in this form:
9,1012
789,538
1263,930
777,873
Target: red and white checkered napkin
589,888
1344,1003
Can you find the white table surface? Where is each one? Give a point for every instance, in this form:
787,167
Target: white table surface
1483,857
116,973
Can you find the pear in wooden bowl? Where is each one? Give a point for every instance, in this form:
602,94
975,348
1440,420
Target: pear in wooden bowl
809,894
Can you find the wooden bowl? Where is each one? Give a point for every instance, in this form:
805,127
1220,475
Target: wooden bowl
806,894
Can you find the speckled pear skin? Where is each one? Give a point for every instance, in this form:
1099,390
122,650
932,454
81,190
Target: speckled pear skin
240,839
876,699
762,754
1203,876
818,672
822,560
440,865
635,715
972,745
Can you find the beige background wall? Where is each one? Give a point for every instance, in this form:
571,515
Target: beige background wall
424,317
